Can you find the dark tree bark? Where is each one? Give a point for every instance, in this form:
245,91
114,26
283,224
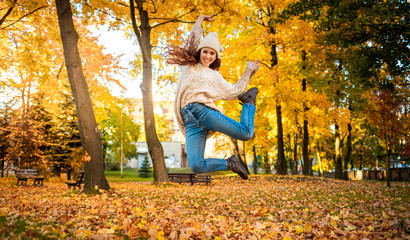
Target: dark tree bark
348,145
389,152
237,151
7,13
348,151
243,153
282,167
2,168
295,154
290,154
90,135
255,161
319,160
307,170
281,163
266,162
143,33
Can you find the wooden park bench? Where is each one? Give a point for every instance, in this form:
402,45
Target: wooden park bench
189,178
23,175
77,183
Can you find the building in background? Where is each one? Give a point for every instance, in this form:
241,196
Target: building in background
174,153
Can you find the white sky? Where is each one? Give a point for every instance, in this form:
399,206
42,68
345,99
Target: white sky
116,43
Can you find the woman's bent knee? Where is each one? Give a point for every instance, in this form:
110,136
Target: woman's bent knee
247,135
197,167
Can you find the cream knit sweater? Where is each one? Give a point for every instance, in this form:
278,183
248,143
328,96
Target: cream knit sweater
203,85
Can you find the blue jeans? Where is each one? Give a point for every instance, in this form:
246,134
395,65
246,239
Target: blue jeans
199,119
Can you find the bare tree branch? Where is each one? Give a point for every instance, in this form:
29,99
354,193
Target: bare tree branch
136,29
177,18
155,7
172,20
134,21
264,11
59,71
222,8
264,64
106,13
24,16
7,13
122,4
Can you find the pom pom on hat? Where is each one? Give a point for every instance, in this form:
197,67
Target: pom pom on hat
211,41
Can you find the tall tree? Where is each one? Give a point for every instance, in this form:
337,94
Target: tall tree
307,169
268,13
90,135
348,148
143,32
371,31
369,38
387,121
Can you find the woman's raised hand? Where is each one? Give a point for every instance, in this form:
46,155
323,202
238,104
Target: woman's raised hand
253,67
209,18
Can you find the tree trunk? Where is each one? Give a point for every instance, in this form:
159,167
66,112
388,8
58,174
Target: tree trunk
388,167
348,151
238,153
90,135
255,161
290,154
243,152
307,170
266,163
319,160
155,149
338,157
295,154
282,168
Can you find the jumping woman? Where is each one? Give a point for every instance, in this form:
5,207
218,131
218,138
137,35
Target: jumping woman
199,86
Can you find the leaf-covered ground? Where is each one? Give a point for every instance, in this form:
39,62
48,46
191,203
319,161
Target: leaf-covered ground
265,207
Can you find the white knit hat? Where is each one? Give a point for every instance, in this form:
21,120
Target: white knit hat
211,41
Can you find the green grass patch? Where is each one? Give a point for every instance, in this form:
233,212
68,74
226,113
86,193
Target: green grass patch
179,170
25,229
129,175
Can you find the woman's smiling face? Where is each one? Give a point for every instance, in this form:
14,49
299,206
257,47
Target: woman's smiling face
207,57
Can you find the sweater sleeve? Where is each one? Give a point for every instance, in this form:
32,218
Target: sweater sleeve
196,32
231,91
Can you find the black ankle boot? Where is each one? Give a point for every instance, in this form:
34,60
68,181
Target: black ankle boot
249,96
233,164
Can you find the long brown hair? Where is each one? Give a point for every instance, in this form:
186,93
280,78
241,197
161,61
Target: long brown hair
188,55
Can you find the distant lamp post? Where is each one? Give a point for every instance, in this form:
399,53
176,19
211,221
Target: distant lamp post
122,153
121,148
